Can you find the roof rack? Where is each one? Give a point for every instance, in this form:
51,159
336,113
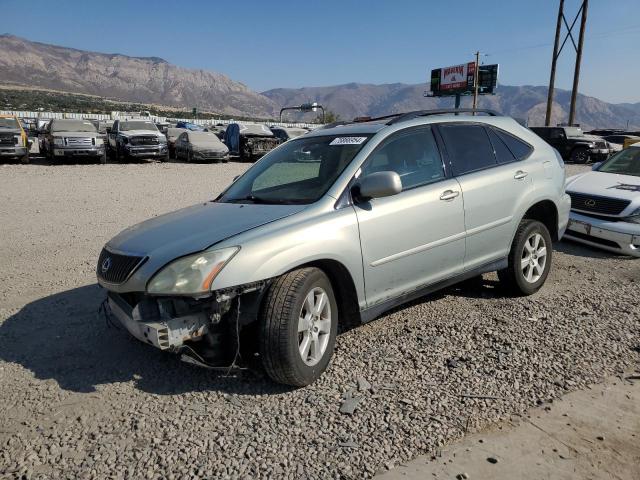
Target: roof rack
423,113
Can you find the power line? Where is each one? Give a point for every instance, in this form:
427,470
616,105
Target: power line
605,34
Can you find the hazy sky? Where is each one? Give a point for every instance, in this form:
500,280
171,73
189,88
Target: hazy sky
268,44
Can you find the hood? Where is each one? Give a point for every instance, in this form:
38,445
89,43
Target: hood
132,133
215,146
10,131
586,137
75,134
195,228
613,185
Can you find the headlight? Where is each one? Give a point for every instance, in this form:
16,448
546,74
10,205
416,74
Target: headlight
191,275
162,139
18,140
635,216
58,141
125,139
99,141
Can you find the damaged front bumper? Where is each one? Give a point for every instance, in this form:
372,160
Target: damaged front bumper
207,330
163,332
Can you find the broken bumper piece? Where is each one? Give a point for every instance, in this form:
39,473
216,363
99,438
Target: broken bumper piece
165,333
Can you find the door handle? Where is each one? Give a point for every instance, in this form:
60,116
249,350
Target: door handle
449,195
520,174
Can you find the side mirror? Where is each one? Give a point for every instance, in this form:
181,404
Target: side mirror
596,165
235,178
379,184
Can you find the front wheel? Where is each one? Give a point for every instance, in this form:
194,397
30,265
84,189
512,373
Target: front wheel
579,155
298,326
24,159
529,259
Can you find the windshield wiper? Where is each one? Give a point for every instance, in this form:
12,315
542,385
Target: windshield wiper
263,201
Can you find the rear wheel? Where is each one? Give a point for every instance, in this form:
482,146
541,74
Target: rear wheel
298,324
529,259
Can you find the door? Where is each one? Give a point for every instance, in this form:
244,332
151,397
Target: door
492,190
415,237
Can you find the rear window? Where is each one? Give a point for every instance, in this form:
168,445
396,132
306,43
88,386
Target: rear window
503,154
519,148
468,147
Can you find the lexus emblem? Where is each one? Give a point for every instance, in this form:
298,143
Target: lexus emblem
590,203
106,265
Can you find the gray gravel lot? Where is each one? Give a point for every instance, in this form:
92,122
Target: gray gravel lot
81,400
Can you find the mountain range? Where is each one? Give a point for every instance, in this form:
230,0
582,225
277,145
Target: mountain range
153,80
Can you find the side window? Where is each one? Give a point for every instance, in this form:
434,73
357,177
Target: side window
412,154
468,147
503,154
557,133
520,149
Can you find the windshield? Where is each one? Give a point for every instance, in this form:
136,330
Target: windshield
298,172
137,125
573,131
203,137
72,126
626,162
9,123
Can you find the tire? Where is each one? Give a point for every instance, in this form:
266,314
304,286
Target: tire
165,158
118,157
283,312
531,237
103,158
24,159
189,157
579,155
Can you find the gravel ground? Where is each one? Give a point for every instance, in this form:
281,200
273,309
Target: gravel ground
81,400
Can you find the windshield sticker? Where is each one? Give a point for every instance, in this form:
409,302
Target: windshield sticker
630,187
348,140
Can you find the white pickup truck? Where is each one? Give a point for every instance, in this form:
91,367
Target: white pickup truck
137,139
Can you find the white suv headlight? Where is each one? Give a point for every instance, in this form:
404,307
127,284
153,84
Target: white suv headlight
99,141
191,275
635,216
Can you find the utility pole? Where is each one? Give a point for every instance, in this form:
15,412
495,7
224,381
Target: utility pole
576,73
476,81
554,59
582,13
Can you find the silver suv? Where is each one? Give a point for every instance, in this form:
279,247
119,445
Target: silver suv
338,225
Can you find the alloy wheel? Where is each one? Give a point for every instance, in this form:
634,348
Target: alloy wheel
534,258
314,326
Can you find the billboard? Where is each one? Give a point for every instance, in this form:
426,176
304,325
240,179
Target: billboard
458,79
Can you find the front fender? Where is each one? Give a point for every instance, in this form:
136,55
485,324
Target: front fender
272,250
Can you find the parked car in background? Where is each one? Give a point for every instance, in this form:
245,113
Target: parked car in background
573,144
64,139
201,146
172,135
162,127
14,143
137,139
334,227
605,204
287,133
249,141
218,130
619,141
194,127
